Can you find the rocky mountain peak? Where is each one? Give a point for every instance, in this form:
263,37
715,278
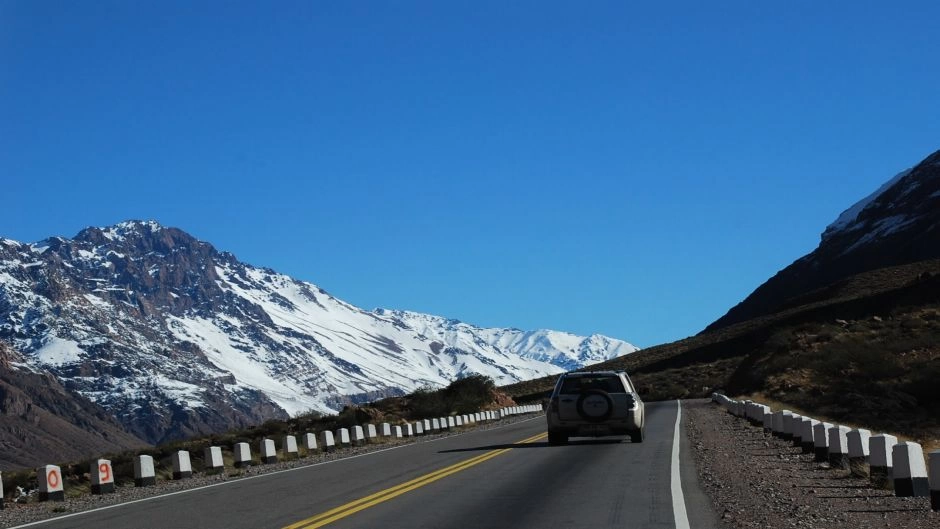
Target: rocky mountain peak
897,224
174,337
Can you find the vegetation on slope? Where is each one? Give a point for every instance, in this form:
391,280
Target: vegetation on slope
864,350
467,395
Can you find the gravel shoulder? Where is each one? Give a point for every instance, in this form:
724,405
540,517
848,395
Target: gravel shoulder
756,480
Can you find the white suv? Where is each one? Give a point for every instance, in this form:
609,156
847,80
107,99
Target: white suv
594,404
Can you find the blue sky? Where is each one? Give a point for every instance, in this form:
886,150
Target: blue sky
625,168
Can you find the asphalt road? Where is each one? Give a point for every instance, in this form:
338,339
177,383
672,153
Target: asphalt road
507,477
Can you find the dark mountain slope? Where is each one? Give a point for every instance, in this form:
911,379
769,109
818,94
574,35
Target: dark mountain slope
899,225
41,421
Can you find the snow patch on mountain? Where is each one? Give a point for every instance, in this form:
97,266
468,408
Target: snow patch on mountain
146,320
848,220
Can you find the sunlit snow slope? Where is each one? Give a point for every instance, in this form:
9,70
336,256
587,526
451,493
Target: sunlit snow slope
175,337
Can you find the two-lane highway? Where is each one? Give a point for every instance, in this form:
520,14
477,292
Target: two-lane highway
504,477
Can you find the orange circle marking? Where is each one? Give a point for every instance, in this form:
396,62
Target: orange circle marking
105,471
53,479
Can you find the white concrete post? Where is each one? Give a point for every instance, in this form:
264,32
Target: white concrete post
778,423
807,434
451,422
310,442
267,451
386,429
786,434
934,475
182,466
50,483
289,447
212,459
342,437
419,428
358,435
435,424
426,425
371,433
768,420
408,430
795,429
458,420
397,432
881,464
858,451
242,454
102,477
910,472
839,447
327,441
821,441
144,475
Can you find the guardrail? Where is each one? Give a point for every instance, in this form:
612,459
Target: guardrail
52,482
887,462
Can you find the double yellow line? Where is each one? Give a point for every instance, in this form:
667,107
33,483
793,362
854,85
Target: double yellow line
353,507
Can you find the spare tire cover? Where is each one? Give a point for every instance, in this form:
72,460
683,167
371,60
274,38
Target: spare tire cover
595,405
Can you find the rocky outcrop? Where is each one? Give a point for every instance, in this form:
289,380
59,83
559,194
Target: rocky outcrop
42,422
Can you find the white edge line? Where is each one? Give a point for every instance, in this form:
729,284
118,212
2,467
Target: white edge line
678,500
267,474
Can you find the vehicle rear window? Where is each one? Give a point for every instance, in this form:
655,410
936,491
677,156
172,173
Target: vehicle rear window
574,385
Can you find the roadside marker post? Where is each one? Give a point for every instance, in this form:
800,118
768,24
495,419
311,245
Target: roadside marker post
144,474
102,477
858,451
342,437
839,447
289,447
808,437
50,483
310,443
268,452
881,463
326,439
182,467
821,441
934,475
242,455
212,460
358,435
910,472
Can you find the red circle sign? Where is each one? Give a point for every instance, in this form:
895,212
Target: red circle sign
52,478
104,470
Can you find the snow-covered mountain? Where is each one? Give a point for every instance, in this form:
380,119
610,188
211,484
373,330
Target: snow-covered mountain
897,224
176,338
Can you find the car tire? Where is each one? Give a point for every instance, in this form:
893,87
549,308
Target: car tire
557,438
637,436
592,393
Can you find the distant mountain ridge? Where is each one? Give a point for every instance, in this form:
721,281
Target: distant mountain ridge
897,224
175,338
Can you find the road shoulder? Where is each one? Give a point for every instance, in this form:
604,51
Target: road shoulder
755,480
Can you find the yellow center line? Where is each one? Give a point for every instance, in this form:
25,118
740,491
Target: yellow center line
353,507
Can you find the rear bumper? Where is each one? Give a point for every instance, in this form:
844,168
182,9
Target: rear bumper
594,429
